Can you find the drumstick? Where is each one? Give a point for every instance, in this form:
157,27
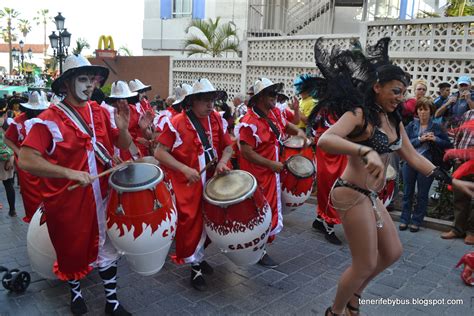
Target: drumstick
104,173
209,164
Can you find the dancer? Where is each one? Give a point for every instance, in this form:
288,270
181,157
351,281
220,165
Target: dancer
365,93
71,143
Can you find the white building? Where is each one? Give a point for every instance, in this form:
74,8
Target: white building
165,21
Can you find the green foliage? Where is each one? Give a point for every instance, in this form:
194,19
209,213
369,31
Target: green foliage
106,88
24,27
211,38
8,34
81,43
125,51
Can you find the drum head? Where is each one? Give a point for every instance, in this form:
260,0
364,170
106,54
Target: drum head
231,188
136,177
294,142
300,166
391,174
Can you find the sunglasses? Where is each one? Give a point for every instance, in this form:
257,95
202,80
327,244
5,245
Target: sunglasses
463,84
422,89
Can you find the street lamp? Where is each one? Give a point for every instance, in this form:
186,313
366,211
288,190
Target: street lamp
22,56
60,42
16,56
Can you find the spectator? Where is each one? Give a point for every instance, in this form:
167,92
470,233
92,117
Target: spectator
6,166
240,106
458,103
408,112
463,211
423,134
442,100
302,86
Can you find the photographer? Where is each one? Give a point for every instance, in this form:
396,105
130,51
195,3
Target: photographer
458,103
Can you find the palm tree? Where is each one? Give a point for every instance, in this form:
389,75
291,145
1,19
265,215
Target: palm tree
9,14
24,27
43,18
81,43
212,39
125,51
459,8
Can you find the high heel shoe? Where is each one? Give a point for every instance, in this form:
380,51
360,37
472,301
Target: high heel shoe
329,312
354,310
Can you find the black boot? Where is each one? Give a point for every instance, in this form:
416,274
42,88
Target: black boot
109,278
197,279
78,306
206,268
330,234
318,224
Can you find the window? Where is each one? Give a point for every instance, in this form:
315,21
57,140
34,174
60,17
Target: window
182,8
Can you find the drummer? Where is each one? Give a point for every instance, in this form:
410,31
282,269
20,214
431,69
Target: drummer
70,143
174,109
141,117
138,124
16,133
260,134
187,146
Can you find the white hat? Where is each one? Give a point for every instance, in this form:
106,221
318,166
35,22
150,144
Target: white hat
181,92
204,86
36,101
120,90
264,85
77,64
137,86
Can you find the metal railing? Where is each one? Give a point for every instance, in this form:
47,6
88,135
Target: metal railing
309,17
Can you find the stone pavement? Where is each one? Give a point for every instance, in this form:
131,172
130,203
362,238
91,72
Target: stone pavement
303,284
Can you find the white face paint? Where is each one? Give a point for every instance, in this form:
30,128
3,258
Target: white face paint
84,86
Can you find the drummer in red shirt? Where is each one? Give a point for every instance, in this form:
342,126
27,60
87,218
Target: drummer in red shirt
260,134
188,145
14,136
160,120
71,143
141,118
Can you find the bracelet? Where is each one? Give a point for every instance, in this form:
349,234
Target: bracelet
441,175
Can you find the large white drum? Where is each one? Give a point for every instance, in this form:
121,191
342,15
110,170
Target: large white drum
237,217
40,249
141,217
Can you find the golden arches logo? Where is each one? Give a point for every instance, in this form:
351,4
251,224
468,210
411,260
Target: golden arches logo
107,41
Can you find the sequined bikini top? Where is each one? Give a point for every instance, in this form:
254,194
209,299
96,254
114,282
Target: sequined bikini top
379,142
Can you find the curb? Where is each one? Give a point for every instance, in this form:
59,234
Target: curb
429,222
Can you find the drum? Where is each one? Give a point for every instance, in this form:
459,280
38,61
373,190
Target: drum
39,247
237,217
141,216
388,191
295,145
297,180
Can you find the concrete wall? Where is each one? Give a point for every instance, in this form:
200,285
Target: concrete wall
151,70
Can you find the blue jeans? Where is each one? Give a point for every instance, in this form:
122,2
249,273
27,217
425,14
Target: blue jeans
410,178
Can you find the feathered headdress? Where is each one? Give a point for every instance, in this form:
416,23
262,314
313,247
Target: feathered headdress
348,74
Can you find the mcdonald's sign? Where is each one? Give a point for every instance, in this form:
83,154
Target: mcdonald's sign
105,48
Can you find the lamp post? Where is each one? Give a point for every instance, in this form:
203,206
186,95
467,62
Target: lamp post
60,42
22,56
16,56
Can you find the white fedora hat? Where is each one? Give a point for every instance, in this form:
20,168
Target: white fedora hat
120,90
181,92
36,101
77,64
204,86
137,86
264,85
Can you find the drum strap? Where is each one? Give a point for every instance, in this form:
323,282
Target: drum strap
272,126
208,150
101,153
